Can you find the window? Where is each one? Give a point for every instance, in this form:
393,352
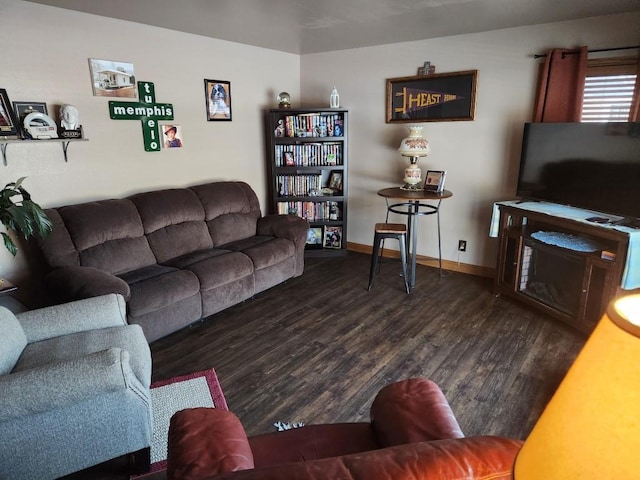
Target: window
611,91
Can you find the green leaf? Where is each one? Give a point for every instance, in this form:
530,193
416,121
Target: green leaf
19,213
9,244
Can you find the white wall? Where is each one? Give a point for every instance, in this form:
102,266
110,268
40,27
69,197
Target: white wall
481,156
45,54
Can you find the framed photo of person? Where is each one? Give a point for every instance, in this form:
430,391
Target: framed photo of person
8,121
335,181
332,236
434,181
217,100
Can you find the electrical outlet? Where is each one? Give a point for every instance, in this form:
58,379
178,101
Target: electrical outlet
462,245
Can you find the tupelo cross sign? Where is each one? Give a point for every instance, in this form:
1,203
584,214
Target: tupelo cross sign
147,110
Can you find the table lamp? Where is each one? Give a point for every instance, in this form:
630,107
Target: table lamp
414,147
591,427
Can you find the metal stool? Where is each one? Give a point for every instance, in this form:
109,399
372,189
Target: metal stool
389,230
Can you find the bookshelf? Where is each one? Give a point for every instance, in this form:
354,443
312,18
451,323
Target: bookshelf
307,158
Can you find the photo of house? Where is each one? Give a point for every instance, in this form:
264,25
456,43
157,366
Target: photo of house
112,79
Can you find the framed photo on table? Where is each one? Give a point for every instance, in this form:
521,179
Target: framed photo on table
314,237
438,97
332,236
434,180
8,121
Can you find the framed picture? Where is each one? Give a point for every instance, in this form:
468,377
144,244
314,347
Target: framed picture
217,99
112,79
335,181
332,236
432,98
172,136
8,122
22,109
314,237
434,181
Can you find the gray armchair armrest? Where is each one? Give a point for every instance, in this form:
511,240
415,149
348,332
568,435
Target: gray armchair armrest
290,227
79,316
51,386
74,283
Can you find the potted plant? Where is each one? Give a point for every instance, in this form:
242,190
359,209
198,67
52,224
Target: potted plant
21,214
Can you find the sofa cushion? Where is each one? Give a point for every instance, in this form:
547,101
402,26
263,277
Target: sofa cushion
265,252
12,340
108,234
173,222
75,345
222,269
57,247
195,257
157,286
231,210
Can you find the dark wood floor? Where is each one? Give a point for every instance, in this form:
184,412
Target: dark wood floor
317,348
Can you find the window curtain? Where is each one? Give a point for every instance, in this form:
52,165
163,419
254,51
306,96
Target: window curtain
561,86
634,114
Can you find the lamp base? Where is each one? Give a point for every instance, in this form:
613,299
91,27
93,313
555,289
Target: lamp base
411,186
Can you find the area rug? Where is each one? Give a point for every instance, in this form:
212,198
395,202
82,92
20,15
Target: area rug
200,389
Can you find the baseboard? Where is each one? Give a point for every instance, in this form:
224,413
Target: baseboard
429,261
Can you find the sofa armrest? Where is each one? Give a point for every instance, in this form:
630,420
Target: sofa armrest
413,410
290,227
47,387
206,441
89,314
473,458
74,283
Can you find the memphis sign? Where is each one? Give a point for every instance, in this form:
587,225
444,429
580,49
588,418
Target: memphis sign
147,111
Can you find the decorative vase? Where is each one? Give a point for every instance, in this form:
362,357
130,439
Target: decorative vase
334,98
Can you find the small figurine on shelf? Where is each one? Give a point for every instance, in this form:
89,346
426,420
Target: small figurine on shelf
69,122
279,131
284,100
334,98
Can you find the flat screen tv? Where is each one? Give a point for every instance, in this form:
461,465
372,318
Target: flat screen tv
594,166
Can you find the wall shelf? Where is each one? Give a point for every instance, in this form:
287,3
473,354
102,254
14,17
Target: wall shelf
63,141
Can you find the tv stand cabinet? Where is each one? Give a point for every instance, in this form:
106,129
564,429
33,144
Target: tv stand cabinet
571,285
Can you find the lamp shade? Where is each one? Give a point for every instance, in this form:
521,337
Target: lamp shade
415,145
591,427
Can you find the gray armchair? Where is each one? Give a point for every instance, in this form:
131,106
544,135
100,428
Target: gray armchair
74,389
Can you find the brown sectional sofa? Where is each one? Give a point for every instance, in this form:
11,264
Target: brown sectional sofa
176,255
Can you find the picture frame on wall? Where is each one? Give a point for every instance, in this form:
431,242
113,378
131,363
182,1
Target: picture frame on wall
8,120
110,78
22,109
332,236
171,135
217,100
438,97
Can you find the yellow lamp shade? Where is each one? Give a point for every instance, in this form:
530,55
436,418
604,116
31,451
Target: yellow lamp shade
591,427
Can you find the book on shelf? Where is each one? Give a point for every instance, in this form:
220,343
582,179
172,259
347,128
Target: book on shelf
308,154
312,211
314,125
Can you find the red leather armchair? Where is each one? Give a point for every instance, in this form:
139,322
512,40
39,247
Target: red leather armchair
413,434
